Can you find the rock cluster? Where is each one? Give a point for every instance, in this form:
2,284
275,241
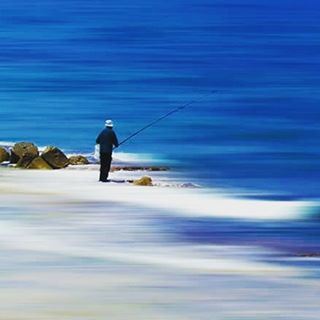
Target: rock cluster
26,155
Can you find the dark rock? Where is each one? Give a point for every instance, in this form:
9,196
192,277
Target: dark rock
144,181
25,160
78,160
4,155
39,163
13,158
55,158
22,148
138,168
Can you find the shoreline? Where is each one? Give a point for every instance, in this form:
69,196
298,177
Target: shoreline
168,192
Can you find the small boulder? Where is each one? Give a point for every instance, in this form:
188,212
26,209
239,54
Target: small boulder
55,158
22,148
4,155
144,181
39,163
78,160
25,160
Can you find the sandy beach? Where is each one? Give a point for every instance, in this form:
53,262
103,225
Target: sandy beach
76,249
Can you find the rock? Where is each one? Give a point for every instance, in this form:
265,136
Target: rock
22,148
25,160
138,168
144,181
13,158
55,158
4,155
39,163
78,160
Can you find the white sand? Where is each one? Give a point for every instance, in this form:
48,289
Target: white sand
74,248
83,184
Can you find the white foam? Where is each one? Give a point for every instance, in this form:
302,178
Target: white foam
126,157
134,157
83,184
9,144
6,143
17,236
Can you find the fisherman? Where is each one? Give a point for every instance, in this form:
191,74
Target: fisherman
107,140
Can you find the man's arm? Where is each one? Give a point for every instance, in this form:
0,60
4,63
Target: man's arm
98,140
115,140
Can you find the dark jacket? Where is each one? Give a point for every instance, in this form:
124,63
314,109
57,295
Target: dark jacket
107,139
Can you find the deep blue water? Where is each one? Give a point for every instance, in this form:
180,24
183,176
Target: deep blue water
66,66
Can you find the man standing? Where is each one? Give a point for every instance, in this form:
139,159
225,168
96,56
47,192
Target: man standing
107,140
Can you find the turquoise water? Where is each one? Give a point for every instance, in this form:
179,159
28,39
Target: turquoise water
66,66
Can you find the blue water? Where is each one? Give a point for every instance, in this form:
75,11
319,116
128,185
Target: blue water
66,66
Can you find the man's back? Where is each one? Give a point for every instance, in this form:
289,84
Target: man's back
107,139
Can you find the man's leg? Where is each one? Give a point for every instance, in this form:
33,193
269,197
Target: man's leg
103,167
108,163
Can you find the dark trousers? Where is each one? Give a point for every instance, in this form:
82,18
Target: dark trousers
105,164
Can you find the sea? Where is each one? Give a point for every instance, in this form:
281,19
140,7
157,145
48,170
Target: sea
67,66
244,241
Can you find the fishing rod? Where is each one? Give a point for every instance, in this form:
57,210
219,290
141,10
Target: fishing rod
167,115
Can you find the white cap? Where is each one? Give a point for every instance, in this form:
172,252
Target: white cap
109,123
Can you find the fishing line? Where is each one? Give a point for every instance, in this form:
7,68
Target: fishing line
188,104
